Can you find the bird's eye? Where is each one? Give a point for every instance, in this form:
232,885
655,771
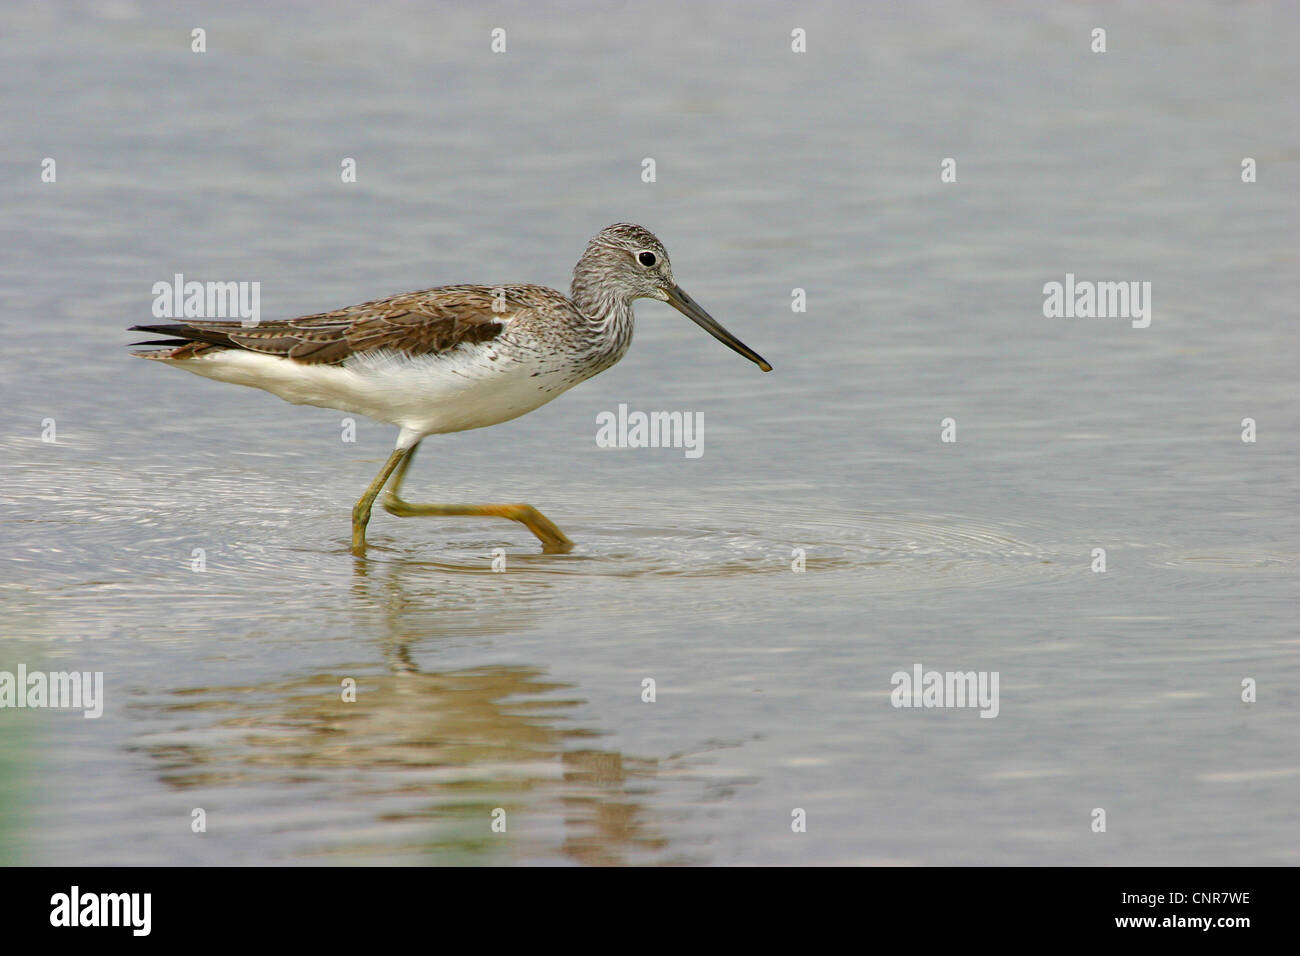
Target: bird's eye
647,259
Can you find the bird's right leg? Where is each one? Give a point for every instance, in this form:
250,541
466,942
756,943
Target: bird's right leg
552,538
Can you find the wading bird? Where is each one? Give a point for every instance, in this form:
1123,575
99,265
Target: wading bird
447,359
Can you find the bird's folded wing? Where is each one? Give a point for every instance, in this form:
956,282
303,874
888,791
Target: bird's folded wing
416,323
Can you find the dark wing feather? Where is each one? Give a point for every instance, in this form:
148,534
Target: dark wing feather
416,323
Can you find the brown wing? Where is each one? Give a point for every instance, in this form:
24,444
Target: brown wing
417,323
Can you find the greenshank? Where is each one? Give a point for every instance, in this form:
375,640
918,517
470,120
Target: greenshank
447,359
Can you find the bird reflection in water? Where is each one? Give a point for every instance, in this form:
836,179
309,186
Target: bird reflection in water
424,758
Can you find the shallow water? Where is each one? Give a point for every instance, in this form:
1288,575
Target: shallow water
521,690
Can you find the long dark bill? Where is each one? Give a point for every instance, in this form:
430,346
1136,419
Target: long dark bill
688,307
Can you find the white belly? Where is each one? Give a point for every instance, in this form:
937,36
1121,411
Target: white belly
470,387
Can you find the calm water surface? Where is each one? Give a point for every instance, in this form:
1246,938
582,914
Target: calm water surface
522,690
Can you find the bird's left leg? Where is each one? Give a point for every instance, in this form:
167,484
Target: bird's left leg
361,510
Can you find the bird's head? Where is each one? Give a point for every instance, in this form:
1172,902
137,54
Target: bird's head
629,262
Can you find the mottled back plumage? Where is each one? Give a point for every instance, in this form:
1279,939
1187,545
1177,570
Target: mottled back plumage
428,322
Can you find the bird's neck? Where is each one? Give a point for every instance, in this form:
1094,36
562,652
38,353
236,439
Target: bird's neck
606,311
598,302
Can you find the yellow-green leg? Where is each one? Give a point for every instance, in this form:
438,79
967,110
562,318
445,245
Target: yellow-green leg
552,538
361,510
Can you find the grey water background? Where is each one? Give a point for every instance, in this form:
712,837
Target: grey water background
522,690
